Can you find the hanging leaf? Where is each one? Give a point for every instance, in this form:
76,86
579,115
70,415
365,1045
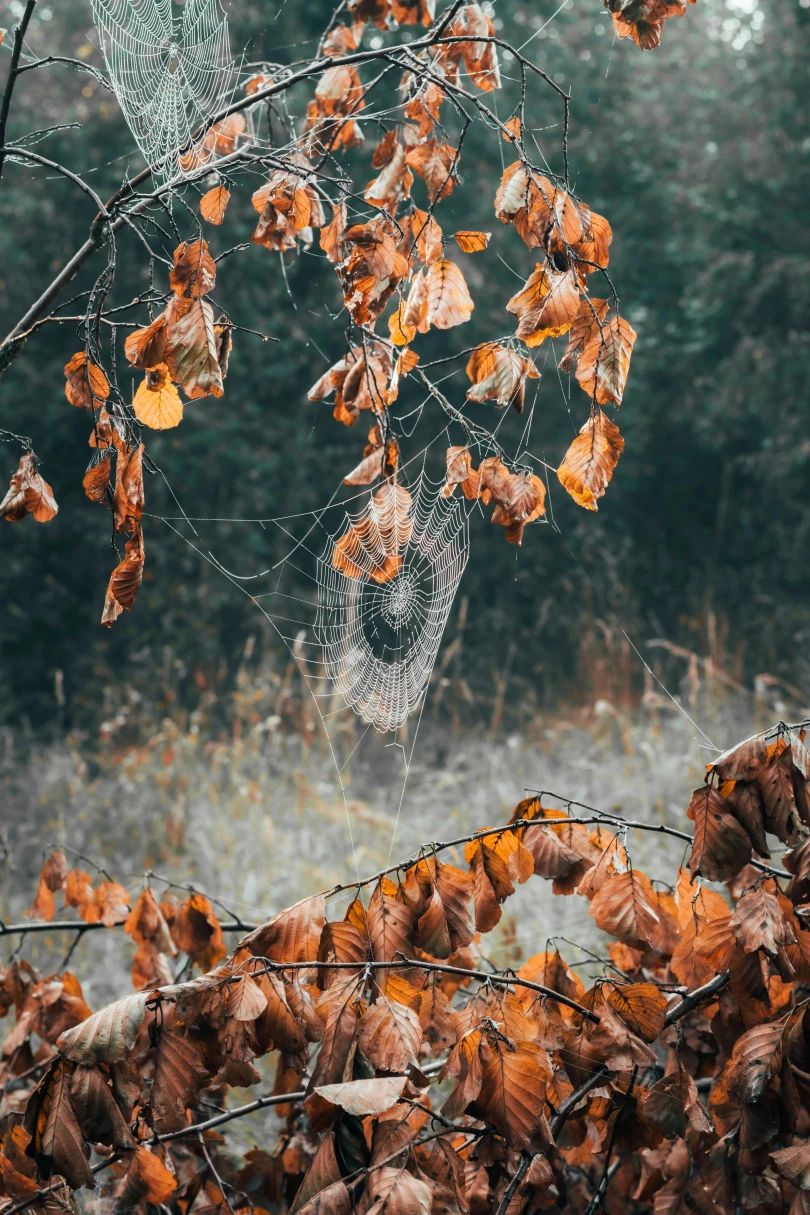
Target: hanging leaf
213,204
591,460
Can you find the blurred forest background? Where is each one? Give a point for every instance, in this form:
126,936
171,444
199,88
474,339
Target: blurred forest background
190,712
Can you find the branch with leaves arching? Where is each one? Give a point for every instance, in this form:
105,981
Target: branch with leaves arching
549,1091
424,92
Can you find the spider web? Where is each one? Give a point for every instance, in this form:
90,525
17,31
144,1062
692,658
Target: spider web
384,599
169,73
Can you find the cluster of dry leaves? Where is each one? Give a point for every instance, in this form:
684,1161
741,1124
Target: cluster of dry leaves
391,257
411,1076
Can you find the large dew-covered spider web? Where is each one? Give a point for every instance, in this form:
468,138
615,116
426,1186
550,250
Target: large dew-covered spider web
360,598
386,585
170,73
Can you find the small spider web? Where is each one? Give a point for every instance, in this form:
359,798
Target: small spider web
384,599
170,73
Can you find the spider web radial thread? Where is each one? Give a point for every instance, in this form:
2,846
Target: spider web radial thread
170,74
380,638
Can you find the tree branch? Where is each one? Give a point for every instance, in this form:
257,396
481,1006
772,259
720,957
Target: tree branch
699,996
13,73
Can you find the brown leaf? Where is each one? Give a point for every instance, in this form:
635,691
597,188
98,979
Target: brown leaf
191,349
395,1191
513,1089
87,385
744,801
79,893
292,936
28,494
390,1035
721,847
125,581
627,908
180,1074
146,924
99,1117
97,479
436,164
604,362
196,931
245,1001
495,860
435,1016
335,1199
758,922
146,348
195,271
339,1008
499,372
793,1163
776,785
755,1061
591,460
447,300
52,878
128,495
743,762
213,204
57,1143
112,904
390,923
641,1006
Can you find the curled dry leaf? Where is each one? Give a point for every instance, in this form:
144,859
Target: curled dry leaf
86,384
195,271
52,878
499,372
125,581
28,494
196,931
128,494
96,480
546,306
436,164
721,846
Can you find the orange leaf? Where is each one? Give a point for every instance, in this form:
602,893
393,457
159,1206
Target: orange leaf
590,461
213,204
546,306
472,242
148,1180
157,402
